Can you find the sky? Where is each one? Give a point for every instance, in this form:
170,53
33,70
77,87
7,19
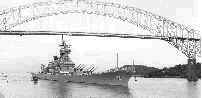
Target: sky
26,53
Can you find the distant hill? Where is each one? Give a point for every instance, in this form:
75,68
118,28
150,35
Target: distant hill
128,70
176,71
138,69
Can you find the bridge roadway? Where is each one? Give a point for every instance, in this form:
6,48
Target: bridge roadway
92,34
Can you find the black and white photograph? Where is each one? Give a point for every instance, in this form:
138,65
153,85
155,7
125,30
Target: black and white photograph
100,49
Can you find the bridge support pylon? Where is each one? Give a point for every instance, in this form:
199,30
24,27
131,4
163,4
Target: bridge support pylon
191,70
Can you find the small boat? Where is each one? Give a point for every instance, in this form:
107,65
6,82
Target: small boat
34,77
3,75
135,78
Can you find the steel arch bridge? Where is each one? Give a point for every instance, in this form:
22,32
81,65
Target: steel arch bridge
185,39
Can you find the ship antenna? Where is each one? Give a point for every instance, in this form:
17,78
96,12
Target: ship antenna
62,44
62,37
133,66
117,61
134,70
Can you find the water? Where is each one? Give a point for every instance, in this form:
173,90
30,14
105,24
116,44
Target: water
20,86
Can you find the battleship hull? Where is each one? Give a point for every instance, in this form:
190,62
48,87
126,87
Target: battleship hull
62,68
91,79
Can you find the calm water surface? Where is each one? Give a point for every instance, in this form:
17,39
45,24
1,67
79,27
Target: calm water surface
20,86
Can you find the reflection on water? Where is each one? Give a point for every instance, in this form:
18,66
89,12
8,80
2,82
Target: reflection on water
20,86
165,88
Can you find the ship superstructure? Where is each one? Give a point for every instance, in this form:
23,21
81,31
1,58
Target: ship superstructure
63,64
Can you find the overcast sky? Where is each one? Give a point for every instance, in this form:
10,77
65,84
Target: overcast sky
26,53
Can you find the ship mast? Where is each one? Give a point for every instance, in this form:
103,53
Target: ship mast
134,70
133,66
117,61
63,42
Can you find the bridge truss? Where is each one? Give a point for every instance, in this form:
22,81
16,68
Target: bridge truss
185,39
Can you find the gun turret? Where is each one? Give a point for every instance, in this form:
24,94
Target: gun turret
91,68
91,71
82,67
78,66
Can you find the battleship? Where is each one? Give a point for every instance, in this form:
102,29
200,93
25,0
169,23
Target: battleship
62,68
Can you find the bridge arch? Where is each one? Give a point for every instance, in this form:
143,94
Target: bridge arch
181,37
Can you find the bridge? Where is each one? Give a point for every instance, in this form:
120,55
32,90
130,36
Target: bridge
184,38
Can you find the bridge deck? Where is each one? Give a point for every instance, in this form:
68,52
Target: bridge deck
92,34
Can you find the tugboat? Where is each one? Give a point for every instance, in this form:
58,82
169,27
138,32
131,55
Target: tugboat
62,68
34,77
